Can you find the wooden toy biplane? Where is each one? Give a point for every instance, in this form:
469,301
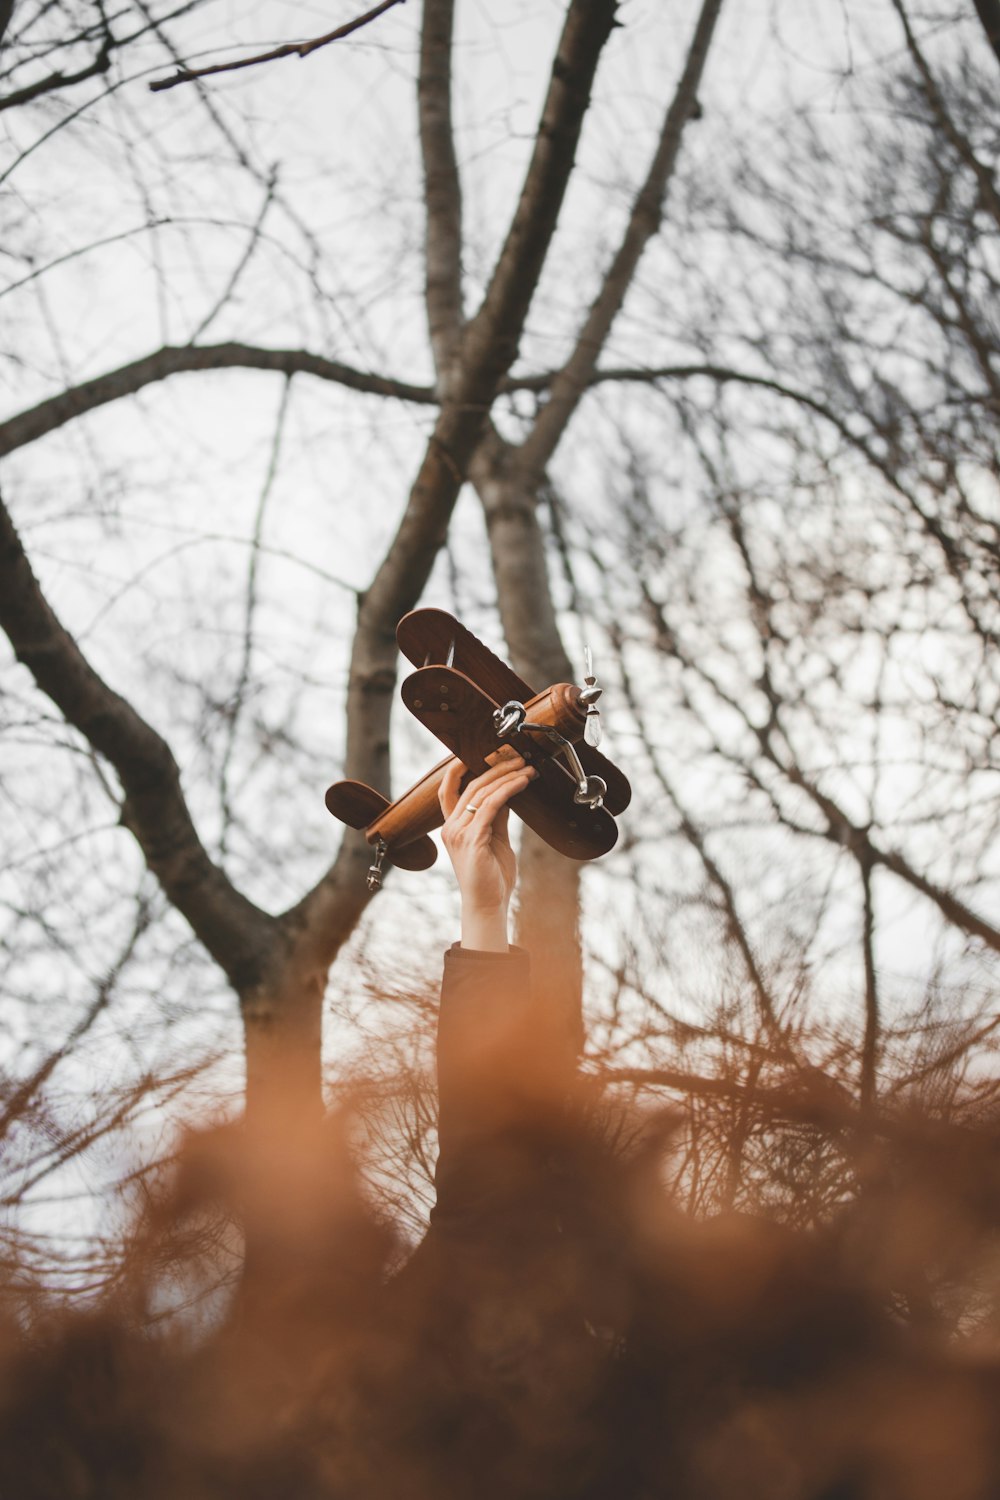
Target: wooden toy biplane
476,704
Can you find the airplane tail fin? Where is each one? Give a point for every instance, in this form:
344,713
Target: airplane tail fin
358,806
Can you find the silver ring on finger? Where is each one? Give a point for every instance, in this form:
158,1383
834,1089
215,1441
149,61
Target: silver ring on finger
472,808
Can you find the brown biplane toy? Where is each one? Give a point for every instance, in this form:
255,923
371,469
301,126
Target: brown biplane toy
476,704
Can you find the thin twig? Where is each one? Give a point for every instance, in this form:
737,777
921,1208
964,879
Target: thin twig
288,49
869,1047
239,694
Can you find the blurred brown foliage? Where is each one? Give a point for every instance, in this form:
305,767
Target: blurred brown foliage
563,1329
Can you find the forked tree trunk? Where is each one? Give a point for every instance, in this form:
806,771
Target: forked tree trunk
282,1024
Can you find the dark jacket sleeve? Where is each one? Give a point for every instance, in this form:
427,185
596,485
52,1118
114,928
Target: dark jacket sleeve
484,1040
520,1175
488,1056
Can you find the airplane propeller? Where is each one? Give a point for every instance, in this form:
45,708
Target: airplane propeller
589,696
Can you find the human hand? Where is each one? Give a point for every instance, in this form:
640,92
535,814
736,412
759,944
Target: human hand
475,836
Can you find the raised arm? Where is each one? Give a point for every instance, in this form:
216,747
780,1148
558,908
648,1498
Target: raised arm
476,838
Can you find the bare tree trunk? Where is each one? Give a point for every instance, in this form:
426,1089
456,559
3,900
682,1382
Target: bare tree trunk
548,926
508,480
549,884
282,1022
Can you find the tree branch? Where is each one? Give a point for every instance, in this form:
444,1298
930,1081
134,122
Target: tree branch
239,936
858,841
54,81
442,190
254,239
27,426
48,415
572,380
839,829
57,80
18,1101
735,929
491,339
989,13
650,374
810,1098
962,146
289,49
862,445
950,906
237,699
869,1045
